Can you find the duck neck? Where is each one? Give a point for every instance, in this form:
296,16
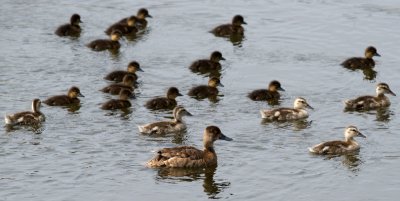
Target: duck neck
35,108
381,95
178,118
349,139
209,146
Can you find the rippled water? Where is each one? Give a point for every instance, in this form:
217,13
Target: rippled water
91,154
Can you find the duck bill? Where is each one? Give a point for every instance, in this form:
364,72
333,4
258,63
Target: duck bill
309,106
244,22
377,55
391,92
224,137
281,89
139,69
80,21
149,16
80,95
220,84
361,135
188,113
179,94
222,58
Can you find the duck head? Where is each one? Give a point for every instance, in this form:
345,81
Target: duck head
301,103
74,92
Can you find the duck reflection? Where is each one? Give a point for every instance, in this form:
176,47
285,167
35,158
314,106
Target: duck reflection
350,161
211,187
369,73
297,125
382,114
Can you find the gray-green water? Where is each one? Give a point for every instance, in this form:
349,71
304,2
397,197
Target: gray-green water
93,155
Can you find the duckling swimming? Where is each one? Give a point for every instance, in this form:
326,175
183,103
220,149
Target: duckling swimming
165,127
204,65
188,156
141,16
33,117
371,102
227,30
206,91
167,102
127,83
72,29
118,75
107,44
127,28
359,62
120,103
287,114
339,147
64,100
267,94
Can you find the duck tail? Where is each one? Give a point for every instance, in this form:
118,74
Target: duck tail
312,150
8,120
263,114
141,129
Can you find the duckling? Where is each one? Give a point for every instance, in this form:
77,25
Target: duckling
230,29
359,62
71,29
141,16
33,117
127,28
165,127
371,102
287,114
206,91
267,94
127,83
64,100
167,102
120,103
204,65
339,147
106,44
188,156
118,75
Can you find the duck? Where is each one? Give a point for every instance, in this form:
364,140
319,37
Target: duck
167,102
107,44
165,127
141,16
127,83
360,62
287,114
206,91
349,145
227,30
34,117
127,28
64,100
72,29
118,75
204,65
267,94
188,156
371,102
120,103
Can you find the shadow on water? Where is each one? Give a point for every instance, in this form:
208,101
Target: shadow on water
382,114
350,161
296,124
211,187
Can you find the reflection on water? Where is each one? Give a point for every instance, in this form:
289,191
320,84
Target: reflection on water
36,128
382,114
369,73
350,161
236,40
296,124
211,187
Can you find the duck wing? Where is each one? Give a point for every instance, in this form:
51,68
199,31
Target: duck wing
331,147
161,127
59,100
184,156
362,102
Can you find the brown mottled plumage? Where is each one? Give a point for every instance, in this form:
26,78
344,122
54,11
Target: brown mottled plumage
267,94
227,30
205,65
33,117
141,16
127,83
121,103
371,102
127,28
65,100
72,29
360,62
287,114
118,75
339,147
167,102
190,157
107,44
164,127
206,91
